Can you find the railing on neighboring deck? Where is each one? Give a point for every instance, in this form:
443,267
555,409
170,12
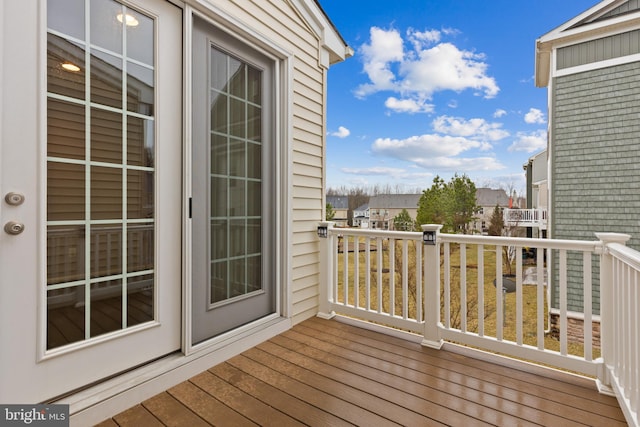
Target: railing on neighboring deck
455,291
525,217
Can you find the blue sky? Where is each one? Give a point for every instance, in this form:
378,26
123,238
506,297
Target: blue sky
438,87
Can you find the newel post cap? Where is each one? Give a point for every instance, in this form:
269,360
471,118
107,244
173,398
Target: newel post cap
613,238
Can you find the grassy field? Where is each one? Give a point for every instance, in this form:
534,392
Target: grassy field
529,294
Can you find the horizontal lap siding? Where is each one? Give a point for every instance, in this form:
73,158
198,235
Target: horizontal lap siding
278,21
596,160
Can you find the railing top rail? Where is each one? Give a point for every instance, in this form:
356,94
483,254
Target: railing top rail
469,239
629,256
576,245
391,234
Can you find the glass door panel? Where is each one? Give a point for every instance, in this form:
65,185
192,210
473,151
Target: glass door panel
101,175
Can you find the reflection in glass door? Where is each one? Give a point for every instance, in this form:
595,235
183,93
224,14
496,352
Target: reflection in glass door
100,169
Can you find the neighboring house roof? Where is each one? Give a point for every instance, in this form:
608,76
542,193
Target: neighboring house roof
487,197
394,201
362,208
596,21
338,202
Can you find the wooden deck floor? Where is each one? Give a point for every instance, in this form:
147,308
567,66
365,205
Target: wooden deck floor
328,373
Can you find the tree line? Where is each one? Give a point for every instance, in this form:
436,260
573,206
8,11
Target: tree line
450,203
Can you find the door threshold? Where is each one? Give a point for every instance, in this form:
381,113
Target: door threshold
95,404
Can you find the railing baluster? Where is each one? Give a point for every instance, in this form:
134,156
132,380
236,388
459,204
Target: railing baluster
540,297
625,336
335,266
634,395
345,271
356,271
405,278
563,300
519,312
392,277
588,306
419,284
463,287
447,285
367,276
379,268
481,290
499,294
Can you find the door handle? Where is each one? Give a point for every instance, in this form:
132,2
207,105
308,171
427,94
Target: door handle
14,199
14,228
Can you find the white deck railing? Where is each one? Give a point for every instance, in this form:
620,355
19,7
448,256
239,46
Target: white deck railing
621,324
525,217
455,291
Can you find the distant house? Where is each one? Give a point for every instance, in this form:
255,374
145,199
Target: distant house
361,216
486,200
384,207
340,206
591,68
171,160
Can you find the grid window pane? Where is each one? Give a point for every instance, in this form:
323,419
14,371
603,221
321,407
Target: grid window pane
100,239
106,136
65,67
65,191
106,307
236,177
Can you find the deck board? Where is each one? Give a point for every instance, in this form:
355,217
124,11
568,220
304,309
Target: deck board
329,373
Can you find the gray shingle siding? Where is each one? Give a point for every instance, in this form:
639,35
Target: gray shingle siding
595,157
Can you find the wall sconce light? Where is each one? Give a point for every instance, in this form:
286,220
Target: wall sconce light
429,237
323,231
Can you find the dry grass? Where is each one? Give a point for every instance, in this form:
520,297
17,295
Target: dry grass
381,299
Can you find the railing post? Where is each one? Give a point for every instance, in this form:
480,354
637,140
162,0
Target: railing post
431,294
327,276
607,309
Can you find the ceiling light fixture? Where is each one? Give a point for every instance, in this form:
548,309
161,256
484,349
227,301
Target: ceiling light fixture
129,20
70,67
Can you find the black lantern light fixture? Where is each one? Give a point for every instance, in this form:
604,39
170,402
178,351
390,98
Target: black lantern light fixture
429,237
323,231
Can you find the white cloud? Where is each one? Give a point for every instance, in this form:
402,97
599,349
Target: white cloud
437,152
445,67
392,173
342,132
421,39
473,128
408,105
529,141
426,67
534,116
385,48
376,170
499,113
